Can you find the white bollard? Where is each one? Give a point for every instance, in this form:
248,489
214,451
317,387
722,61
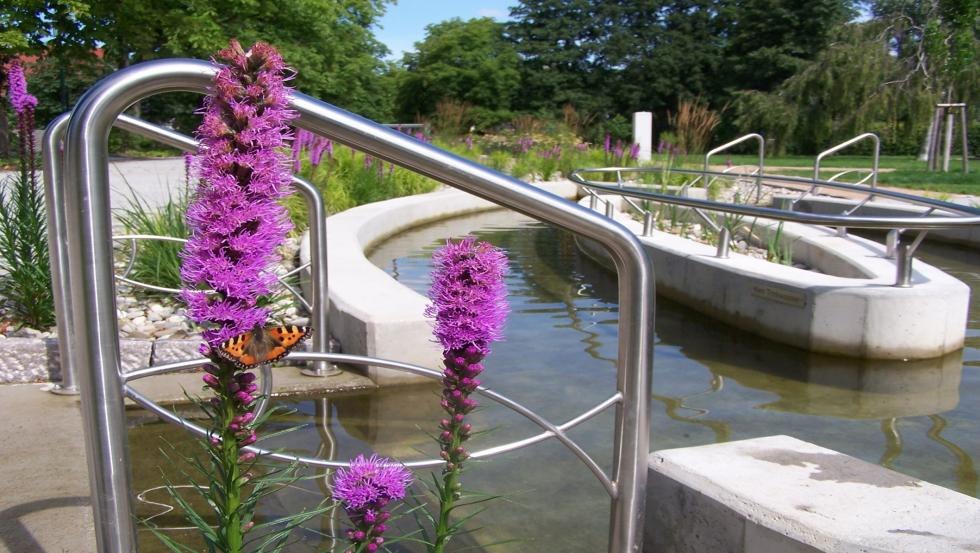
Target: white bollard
643,134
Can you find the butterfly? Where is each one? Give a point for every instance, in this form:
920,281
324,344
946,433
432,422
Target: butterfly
261,345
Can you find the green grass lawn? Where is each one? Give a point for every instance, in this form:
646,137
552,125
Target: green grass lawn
899,171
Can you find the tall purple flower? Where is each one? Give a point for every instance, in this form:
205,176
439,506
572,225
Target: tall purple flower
236,223
365,490
23,103
236,220
20,99
469,307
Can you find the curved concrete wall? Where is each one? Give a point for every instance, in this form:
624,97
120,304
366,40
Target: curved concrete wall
855,311
371,313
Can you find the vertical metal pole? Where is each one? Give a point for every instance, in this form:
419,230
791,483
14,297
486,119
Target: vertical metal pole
647,223
903,266
892,240
319,289
762,164
93,303
54,200
948,139
593,199
964,139
724,237
610,210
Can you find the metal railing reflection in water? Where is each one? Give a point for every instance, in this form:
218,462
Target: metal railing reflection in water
94,346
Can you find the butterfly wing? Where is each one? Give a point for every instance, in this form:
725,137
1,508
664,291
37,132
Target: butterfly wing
284,339
236,350
250,349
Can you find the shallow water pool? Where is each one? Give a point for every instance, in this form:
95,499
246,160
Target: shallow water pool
712,383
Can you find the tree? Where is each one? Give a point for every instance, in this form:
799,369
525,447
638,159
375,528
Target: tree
770,40
329,42
467,61
656,52
557,41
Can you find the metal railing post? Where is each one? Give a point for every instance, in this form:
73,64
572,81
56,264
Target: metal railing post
54,200
903,266
762,159
724,237
647,223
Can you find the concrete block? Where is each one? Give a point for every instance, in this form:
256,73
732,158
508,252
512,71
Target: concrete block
780,494
848,306
172,351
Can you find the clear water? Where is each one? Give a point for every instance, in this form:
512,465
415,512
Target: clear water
712,383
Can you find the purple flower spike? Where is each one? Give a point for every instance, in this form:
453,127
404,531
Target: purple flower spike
236,220
468,295
20,99
364,490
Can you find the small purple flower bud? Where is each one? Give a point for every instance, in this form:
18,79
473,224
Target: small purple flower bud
246,378
211,380
246,457
371,547
459,417
359,535
249,440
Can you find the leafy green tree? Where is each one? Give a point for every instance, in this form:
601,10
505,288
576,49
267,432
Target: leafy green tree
770,40
558,43
467,61
848,89
656,52
937,43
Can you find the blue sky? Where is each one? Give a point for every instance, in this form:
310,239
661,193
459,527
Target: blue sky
405,22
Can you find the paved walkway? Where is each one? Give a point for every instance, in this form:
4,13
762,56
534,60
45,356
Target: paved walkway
44,495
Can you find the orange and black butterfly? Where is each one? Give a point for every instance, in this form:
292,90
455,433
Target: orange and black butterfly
261,345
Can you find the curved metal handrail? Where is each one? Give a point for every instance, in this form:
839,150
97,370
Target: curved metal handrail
96,349
550,429
744,138
969,216
133,238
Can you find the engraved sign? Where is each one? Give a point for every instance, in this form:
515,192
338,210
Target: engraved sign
780,295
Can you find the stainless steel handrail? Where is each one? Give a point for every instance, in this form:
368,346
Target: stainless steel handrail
838,147
739,140
57,237
96,348
967,216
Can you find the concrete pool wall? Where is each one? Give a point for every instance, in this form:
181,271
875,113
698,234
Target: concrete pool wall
371,313
851,308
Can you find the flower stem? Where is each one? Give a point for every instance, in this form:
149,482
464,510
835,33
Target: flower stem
230,469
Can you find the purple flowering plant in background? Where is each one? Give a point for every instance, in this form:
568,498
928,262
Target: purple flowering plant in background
25,276
469,307
365,490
